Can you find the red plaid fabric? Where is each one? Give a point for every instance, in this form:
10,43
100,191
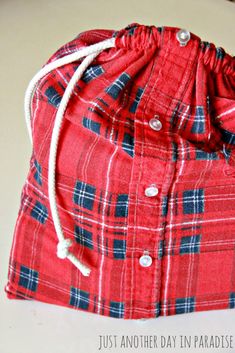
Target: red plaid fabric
144,179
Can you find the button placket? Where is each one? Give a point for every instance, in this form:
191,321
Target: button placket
146,216
156,125
146,260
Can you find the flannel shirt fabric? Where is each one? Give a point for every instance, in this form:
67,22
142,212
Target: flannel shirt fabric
108,155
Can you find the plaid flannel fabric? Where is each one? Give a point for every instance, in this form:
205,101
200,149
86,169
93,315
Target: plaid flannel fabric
108,155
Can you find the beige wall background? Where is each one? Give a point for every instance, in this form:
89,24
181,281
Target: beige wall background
30,31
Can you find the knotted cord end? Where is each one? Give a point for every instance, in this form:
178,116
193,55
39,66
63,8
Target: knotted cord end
63,248
63,252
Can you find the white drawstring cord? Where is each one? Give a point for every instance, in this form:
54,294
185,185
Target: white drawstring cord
90,53
108,43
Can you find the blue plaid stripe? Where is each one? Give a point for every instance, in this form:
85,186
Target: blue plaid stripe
84,195
131,29
84,237
160,249
53,96
91,73
232,300
227,136
220,53
128,144
38,173
116,309
164,205
115,88
193,201
28,278
138,96
79,298
39,212
122,206
174,151
204,44
185,305
190,244
119,249
207,156
91,125
198,126
157,309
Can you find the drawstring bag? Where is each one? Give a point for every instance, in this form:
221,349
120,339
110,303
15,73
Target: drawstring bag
128,208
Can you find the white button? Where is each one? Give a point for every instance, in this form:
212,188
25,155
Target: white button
155,124
151,190
145,260
183,36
